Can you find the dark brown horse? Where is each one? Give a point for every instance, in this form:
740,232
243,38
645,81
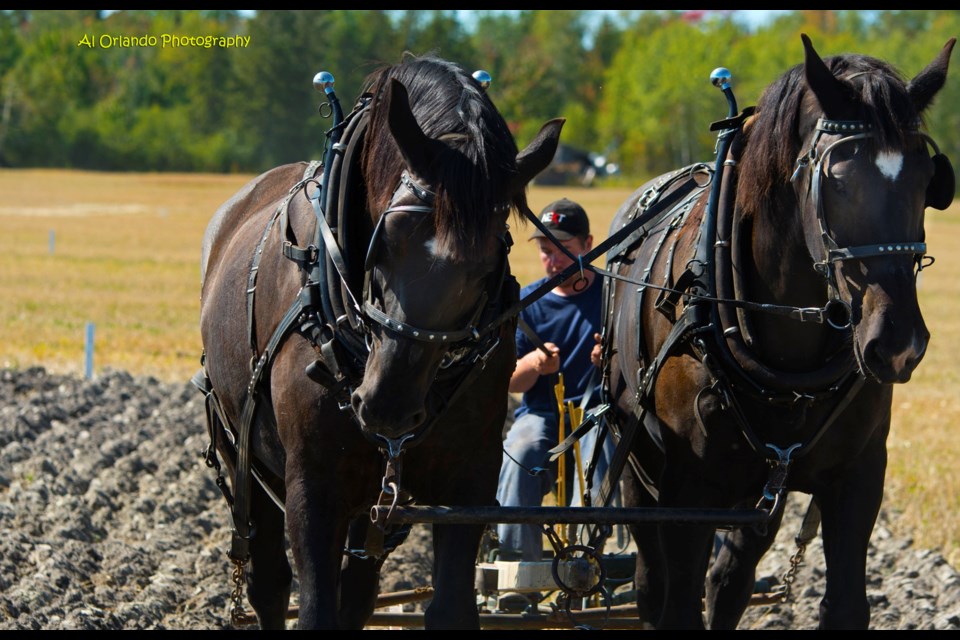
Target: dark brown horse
757,329
350,328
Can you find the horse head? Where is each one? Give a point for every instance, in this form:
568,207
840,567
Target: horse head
437,257
862,176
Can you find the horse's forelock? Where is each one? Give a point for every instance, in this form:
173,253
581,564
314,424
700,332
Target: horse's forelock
473,177
775,138
882,94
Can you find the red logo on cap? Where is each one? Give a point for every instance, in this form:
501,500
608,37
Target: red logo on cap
553,217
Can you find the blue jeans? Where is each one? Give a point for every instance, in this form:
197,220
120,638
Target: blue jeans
527,444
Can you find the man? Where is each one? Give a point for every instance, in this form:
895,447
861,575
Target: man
567,322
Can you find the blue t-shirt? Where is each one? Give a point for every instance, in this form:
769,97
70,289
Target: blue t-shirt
569,322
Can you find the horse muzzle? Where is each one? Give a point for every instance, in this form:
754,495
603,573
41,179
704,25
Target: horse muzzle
392,400
890,341
387,414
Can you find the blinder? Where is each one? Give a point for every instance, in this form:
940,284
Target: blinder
942,186
371,258
421,193
939,195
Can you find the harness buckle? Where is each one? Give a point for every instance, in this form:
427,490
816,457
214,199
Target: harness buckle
838,314
809,314
483,357
802,163
646,200
778,474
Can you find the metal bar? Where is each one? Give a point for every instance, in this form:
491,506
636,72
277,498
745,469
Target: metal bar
619,614
402,597
621,617
572,515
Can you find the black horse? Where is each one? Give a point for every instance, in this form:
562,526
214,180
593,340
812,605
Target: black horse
349,328
755,331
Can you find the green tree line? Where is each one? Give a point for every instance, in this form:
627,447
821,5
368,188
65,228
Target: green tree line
233,92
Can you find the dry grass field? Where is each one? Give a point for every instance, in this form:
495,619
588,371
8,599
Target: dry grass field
122,251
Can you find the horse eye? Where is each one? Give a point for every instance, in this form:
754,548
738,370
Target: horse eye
846,152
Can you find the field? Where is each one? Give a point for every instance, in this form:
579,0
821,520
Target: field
122,252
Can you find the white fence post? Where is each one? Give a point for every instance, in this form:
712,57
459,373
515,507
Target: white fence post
88,359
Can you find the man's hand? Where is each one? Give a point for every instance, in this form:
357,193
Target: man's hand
533,365
595,355
541,362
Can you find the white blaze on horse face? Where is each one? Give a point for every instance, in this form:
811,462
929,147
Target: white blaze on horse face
436,251
890,163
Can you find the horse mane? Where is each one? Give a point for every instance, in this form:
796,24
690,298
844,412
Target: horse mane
474,177
774,138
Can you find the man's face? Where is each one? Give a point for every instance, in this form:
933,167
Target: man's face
554,260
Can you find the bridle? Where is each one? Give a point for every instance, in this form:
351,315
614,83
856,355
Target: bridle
471,345
837,311
374,315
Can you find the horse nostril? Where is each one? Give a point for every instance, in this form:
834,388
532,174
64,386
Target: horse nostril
875,355
891,365
873,351
356,402
417,419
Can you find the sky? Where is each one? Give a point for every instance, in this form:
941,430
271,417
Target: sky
753,17
759,17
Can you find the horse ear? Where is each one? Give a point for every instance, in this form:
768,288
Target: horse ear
418,150
834,96
538,154
928,82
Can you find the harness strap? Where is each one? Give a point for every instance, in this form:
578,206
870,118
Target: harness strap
531,334
736,122
281,214
215,418
591,419
640,231
680,332
337,211
330,243
448,337
810,524
855,386
303,255
252,280
244,529
835,253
